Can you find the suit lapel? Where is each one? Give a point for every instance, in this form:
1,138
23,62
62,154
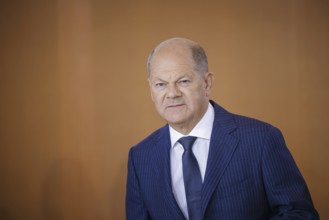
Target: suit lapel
162,166
221,149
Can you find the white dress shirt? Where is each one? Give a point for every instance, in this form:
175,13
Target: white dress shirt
200,149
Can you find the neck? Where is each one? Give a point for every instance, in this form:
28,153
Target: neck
182,129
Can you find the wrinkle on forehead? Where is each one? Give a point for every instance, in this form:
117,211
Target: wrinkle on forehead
177,64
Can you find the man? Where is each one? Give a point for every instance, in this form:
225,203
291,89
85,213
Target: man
207,163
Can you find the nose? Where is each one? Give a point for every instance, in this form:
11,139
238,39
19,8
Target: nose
173,91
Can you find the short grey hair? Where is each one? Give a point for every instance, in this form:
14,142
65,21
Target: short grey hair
198,54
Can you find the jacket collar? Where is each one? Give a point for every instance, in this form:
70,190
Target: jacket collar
221,149
162,166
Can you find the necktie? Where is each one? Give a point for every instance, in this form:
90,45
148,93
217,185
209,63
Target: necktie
192,178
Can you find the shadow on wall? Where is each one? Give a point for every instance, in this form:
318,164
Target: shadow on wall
4,215
117,193
67,192
51,192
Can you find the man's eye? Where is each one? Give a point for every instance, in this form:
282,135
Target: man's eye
159,85
184,82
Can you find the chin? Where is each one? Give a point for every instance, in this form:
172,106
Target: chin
175,121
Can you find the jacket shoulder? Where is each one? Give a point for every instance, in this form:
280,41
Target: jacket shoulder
151,141
240,122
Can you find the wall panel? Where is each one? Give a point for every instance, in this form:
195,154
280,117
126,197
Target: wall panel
74,95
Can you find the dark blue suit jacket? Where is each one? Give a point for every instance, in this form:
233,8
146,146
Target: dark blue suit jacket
250,174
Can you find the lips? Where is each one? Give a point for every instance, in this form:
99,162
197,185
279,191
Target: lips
175,105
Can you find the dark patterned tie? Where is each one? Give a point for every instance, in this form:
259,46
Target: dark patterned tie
192,178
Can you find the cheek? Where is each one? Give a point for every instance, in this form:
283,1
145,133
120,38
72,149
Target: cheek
157,97
196,94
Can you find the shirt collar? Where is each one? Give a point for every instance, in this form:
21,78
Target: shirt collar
201,130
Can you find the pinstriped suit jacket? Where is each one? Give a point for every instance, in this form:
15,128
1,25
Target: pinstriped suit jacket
250,174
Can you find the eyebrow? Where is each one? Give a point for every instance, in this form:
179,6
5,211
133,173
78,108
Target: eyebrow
179,78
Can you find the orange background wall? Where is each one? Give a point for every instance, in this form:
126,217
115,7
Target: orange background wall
74,96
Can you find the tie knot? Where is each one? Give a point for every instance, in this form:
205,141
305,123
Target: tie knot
187,142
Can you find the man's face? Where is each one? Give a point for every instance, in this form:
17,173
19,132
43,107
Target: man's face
179,92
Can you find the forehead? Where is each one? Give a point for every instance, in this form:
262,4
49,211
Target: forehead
172,60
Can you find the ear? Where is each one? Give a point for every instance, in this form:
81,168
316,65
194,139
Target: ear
209,79
149,81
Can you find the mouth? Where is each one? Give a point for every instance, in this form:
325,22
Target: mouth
175,106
